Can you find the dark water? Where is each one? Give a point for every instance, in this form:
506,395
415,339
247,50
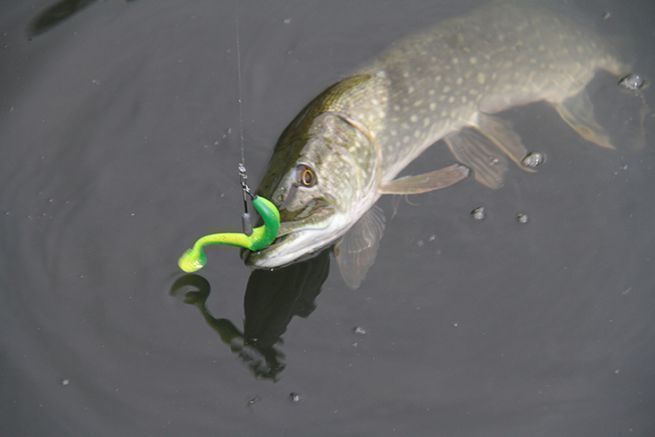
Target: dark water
118,140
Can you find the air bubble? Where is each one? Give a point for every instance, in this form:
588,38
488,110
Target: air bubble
533,160
64,382
479,213
522,218
632,82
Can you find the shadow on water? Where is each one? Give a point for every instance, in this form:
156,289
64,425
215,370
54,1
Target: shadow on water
272,299
57,13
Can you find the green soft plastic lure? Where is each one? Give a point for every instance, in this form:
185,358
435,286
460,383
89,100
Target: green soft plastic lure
262,236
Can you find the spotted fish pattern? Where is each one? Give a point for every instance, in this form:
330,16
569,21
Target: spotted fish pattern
446,83
455,75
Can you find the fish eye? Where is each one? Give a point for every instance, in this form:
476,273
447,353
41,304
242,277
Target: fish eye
305,175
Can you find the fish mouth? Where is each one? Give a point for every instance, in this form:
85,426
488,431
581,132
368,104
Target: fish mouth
277,254
295,242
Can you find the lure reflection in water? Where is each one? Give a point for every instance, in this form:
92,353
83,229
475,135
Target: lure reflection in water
272,299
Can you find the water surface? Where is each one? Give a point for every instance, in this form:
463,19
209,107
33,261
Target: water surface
119,144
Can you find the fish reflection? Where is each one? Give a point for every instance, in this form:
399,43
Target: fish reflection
272,299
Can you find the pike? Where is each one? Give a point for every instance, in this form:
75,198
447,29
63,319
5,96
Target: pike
347,147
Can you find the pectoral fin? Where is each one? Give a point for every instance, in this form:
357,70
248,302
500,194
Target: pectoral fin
355,252
481,155
425,182
578,112
501,133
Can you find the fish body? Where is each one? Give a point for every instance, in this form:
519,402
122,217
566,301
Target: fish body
347,147
504,55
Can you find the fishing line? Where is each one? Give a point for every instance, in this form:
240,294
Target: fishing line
239,93
246,223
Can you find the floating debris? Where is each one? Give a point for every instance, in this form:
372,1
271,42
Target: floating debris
522,218
632,82
253,400
607,15
359,330
64,382
287,21
432,237
420,243
479,213
533,159
294,397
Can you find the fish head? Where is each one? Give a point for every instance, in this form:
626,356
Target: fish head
322,178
